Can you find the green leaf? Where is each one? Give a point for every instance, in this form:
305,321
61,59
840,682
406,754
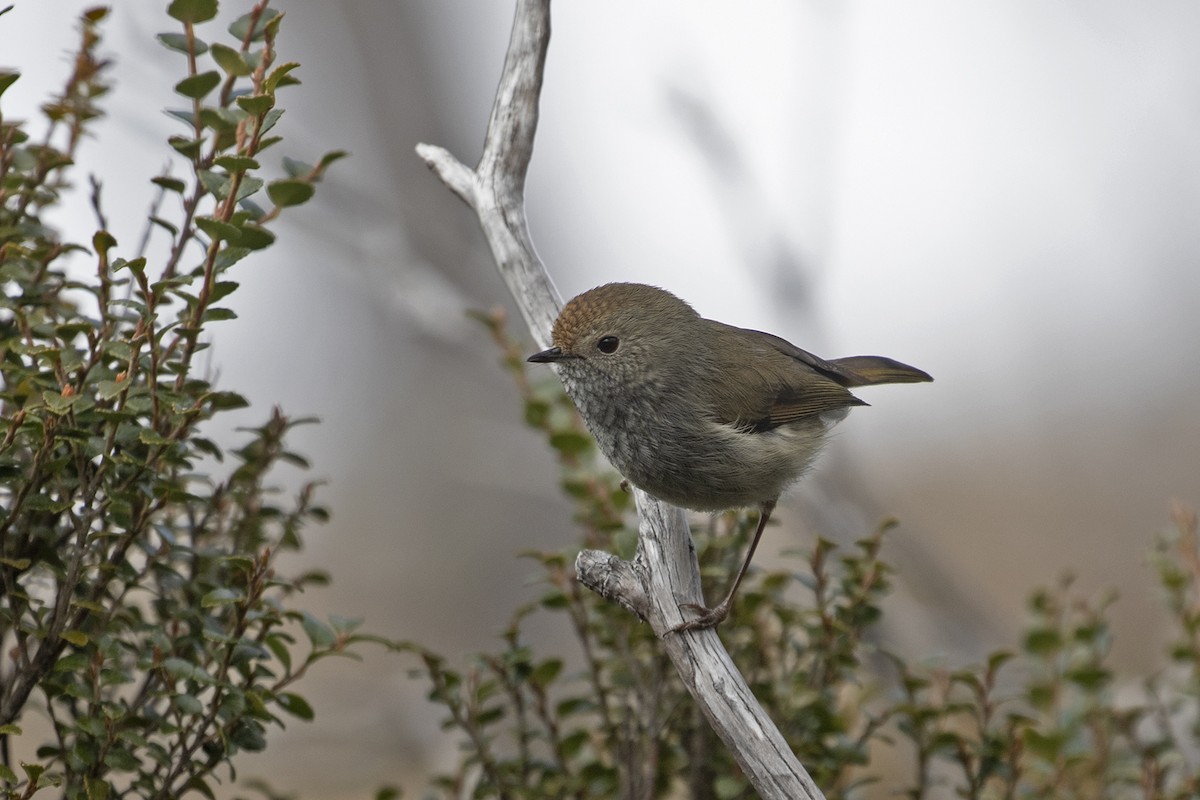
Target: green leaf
198,784
221,289
7,79
184,115
188,704
268,121
185,670
57,402
77,638
320,634
1042,641
256,104
75,662
248,186
573,742
215,182
103,241
188,148
219,314
230,256
248,736
89,605
197,86
280,76
220,597
279,646
1046,745
137,265
295,705
1040,695
290,192
570,442
236,163
169,183
1088,678
226,401
152,437
19,564
97,788
252,208
223,120
193,11
240,29
218,230
121,760
69,330
6,773
295,459
329,158
230,60
998,659
295,168
179,42
543,674
256,237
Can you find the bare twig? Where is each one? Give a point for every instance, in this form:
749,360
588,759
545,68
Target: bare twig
664,572
97,208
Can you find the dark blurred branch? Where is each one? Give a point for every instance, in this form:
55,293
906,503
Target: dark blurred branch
665,572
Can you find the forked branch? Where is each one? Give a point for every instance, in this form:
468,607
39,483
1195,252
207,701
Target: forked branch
664,573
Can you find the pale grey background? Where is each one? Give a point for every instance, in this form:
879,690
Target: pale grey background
1003,193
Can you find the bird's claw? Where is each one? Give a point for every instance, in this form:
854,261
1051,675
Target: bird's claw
706,617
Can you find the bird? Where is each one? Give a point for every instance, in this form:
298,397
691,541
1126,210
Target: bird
698,413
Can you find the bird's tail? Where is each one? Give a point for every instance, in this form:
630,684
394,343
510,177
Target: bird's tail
870,370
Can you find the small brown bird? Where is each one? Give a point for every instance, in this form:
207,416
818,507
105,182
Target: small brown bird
698,413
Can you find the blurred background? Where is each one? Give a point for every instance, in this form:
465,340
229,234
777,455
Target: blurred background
1005,194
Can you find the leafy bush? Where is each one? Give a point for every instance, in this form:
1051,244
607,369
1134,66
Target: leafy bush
140,609
1039,721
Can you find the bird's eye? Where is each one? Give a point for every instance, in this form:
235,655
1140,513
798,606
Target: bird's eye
608,344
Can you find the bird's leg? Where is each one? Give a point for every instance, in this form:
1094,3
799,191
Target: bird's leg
711,617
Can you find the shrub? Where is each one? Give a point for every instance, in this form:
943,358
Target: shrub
1041,720
140,609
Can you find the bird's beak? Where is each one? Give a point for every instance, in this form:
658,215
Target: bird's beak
549,356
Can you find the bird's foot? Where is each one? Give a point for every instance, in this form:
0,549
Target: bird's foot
707,617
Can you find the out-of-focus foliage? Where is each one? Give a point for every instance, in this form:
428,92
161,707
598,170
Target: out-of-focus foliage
1041,720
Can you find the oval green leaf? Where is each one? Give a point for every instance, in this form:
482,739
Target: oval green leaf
219,597
230,60
77,638
193,11
290,192
197,86
256,104
7,79
295,705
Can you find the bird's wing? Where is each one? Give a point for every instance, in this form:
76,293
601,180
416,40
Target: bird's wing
851,370
767,382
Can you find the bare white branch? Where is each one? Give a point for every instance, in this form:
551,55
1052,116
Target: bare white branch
664,572
458,177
